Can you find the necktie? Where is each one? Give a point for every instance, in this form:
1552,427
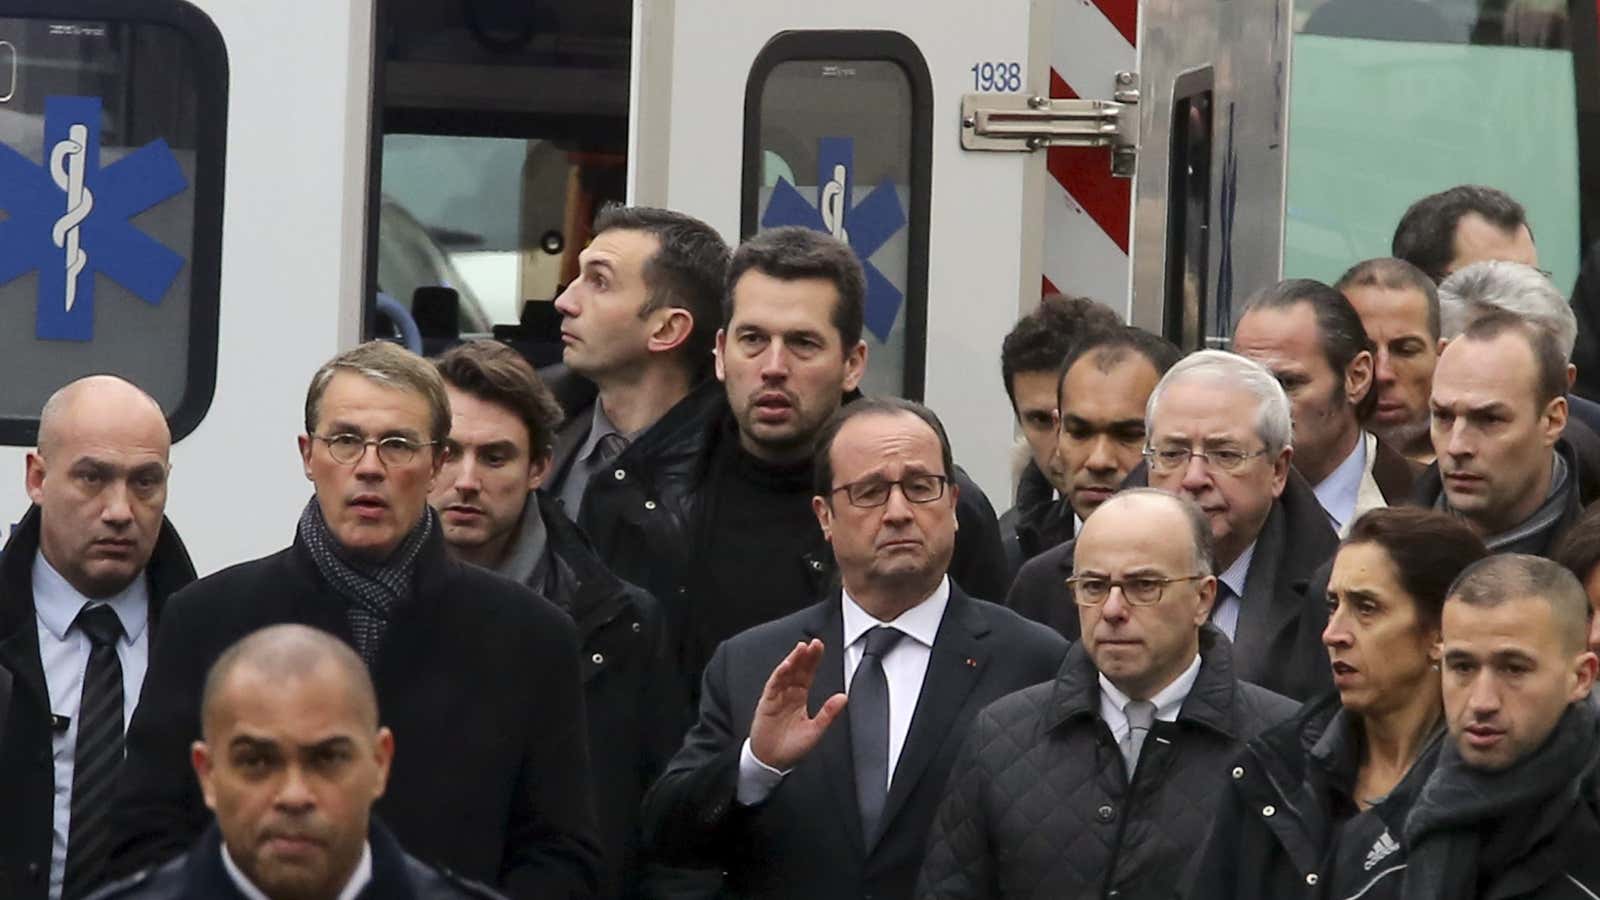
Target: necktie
97,758
869,728
1141,715
609,448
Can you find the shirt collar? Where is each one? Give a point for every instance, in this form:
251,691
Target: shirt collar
57,603
1339,491
920,622
1234,576
1168,700
599,426
359,879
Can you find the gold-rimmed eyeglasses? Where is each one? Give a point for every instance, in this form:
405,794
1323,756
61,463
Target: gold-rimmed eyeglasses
392,451
1138,590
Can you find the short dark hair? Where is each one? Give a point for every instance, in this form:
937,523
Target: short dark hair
792,253
1395,275
1426,234
1428,549
1579,548
1550,366
822,460
1110,347
1510,576
685,272
495,373
1339,330
1043,339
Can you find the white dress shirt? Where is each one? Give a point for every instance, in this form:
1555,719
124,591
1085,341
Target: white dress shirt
1339,491
1226,614
64,653
904,668
1168,701
357,883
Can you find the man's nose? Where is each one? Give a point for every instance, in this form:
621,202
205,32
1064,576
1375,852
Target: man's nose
567,302
1484,700
1196,474
898,508
369,465
1101,456
1384,372
118,510
294,794
1456,441
774,362
1116,607
466,476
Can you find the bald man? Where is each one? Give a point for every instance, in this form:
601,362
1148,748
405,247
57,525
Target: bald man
82,580
291,760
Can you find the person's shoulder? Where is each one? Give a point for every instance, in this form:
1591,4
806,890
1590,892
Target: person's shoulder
1048,566
1261,709
237,585
434,883
1016,629
478,593
155,883
1020,711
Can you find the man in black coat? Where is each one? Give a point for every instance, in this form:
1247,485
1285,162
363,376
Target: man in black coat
785,804
1517,482
1102,391
95,539
293,757
1059,790
476,675
494,515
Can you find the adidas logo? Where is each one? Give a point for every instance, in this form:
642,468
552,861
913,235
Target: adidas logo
1381,848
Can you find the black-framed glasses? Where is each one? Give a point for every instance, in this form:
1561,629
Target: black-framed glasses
1171,459
392,451
1138,590
872,492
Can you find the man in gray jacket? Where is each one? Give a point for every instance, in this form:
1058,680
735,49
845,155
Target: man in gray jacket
1102,781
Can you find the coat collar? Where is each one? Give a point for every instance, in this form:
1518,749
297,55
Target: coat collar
205,877
1210,704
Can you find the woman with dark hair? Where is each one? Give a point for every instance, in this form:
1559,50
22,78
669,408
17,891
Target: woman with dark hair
1579,551
1319,801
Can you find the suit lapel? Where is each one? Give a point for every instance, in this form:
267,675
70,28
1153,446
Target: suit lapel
838,769
1261,612
955,664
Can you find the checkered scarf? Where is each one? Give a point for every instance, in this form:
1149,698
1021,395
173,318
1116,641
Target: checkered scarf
371,589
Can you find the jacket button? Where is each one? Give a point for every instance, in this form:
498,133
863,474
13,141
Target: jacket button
816,565
649,504
1105,813
34,870
1269,810
1238,772
598,658
1311,879
637,628
619,474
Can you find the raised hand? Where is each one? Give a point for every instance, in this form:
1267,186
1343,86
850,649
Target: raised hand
783,731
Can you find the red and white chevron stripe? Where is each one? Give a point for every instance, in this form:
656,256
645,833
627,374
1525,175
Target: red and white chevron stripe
1087,212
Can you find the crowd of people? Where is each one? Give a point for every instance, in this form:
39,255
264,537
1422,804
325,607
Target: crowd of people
690,617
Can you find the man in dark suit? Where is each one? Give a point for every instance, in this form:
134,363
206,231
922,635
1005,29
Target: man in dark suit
476,675
785,804
1219,433
83,580
292,758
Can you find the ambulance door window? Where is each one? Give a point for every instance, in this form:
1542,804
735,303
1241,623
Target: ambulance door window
112,134
838,138
1189,213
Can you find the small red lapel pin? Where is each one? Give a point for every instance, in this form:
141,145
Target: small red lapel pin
972,663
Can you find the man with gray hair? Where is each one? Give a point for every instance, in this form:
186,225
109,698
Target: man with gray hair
1220,433
84,579
477,675
1033,777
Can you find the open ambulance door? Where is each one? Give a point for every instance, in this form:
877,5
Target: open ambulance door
843,115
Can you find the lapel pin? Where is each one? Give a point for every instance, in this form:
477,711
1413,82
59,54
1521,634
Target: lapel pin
972,663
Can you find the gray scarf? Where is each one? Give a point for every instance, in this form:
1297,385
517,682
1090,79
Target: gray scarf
372,589
1543,518
530,560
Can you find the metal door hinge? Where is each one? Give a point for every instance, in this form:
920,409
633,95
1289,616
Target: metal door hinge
1016,122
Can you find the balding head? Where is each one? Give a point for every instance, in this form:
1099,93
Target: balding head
99,479
283,653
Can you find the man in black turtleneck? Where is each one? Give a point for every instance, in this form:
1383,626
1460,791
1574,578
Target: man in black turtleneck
789,355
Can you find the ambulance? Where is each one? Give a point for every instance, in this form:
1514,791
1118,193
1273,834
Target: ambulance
212,197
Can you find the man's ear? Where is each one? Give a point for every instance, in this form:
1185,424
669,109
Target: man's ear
1208,598
1587,664
383,747
673,326
33,476
307,444
855,366
1280,470
200,759
824,513
540,470
718,350
1572,375
1358,378
1555,416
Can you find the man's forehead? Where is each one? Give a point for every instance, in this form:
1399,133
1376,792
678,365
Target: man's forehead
1481,372
1136,532
476,420
1383,305
1205,407
622,248
872,441
1515,623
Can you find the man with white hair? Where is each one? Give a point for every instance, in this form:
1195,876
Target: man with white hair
1220,433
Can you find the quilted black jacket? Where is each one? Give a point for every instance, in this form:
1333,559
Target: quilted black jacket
1039,804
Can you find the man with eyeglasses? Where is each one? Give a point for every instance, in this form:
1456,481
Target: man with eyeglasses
1127,746
1220,431
476,675
763,787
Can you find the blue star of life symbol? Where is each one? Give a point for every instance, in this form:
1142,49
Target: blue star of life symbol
69,219
872,222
